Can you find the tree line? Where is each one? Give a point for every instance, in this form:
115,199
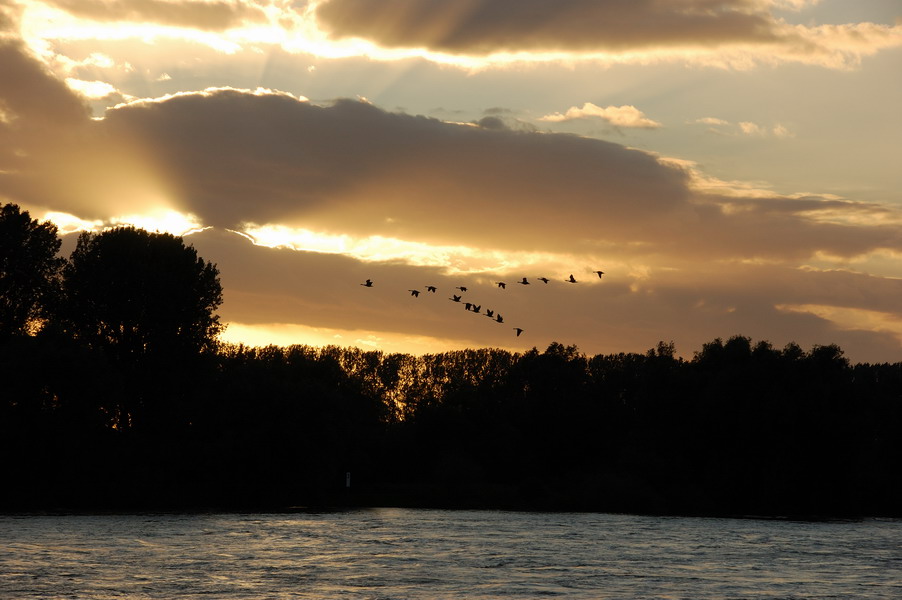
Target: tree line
116,394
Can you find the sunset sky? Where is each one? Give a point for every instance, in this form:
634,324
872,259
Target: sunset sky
733,166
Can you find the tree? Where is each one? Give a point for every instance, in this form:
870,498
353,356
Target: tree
147,302
141,295
29,271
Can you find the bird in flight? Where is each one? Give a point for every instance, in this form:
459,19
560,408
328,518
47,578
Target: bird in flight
454,298
518,330
543,280
571,280
367,283
431,288
500,284
499,318
600,273
489,313
461,288
414,293
477,308
523,281
468,305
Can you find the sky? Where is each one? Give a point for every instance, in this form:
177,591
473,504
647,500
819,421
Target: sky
732,166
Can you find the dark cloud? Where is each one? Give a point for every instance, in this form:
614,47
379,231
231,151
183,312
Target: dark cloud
350,167
486,26
30,95
39,116
210,16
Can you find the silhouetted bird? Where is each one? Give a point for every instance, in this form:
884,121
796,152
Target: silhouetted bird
367,283
414,293
454,298
467,305
571,280
489,313
500,284
543,280
523,282
461,288
499,318
600,273
518,330
430,288
477,308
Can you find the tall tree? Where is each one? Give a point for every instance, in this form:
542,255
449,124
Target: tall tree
29,270
141,295
147,301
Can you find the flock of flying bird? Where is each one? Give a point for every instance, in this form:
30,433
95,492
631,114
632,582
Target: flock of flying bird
477,308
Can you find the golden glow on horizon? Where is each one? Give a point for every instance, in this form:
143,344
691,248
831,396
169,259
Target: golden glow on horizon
286,334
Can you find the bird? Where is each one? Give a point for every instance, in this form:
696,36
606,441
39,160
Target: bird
454,298
414,293
468,305
543,280
523,282
571,280
489,313
500,284
367,283
499,318
477,308
600,273
431,288
518,330
461,288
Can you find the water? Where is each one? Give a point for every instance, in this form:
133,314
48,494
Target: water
434,554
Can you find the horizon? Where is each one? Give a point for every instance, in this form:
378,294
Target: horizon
731,172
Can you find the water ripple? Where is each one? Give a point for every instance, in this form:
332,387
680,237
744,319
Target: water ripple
429,554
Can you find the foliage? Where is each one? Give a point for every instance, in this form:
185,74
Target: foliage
139,294
29,271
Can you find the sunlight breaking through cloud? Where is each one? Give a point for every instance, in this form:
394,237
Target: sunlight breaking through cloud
452,259
160,221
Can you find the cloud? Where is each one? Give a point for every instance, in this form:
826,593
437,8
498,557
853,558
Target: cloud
30,92
747,128
712,121
738,30
92,89
619,116
353,167
199,14
232,157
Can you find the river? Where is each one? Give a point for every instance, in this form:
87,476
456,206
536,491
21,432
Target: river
437,554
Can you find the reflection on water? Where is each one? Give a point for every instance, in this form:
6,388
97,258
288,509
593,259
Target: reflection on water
401,553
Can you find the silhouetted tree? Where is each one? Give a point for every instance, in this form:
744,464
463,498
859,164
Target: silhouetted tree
148,302
136,293
29,270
